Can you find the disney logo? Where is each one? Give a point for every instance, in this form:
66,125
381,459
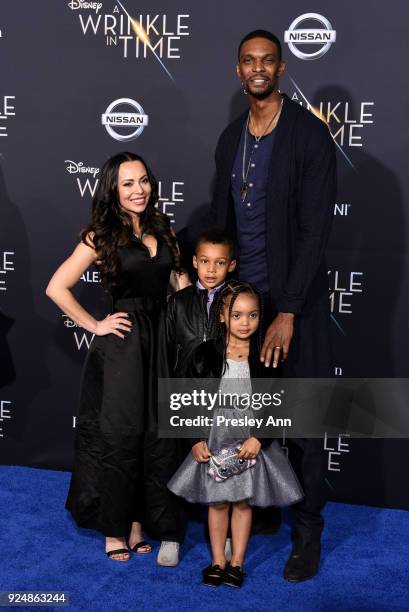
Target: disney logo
79,168
77,4
68,322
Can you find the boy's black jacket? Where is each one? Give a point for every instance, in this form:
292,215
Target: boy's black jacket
186,326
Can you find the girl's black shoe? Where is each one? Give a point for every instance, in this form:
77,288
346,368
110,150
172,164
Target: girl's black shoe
212,575
233,575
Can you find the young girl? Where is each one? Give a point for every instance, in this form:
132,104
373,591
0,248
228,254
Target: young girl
255,477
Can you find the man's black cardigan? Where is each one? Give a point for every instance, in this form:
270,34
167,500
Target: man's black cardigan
300,198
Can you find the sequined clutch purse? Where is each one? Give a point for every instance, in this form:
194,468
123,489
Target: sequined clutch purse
226,463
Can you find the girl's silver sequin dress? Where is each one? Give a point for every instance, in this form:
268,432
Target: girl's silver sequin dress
270,482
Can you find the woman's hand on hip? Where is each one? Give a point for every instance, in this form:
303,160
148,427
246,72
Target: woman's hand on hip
114,324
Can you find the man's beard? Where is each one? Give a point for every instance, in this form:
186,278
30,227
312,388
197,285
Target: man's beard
262,95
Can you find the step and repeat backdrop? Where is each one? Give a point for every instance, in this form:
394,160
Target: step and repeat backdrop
84,80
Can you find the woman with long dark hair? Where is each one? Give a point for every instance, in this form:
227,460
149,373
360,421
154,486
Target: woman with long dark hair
121,467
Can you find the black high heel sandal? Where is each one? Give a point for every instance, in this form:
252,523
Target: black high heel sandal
212,575
119,551
142,544
233,576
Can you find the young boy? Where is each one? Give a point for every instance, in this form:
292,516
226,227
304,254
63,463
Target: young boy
189,309
187,323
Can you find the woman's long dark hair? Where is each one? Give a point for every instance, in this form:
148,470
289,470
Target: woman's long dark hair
228,295
111,226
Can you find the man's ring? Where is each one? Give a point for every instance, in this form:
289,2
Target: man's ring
279,347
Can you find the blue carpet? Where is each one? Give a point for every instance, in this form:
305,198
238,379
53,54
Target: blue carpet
364,566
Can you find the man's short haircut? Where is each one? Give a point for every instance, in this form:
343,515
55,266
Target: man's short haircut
261,34
216,235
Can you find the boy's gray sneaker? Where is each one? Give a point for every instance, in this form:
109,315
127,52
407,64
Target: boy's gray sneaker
168,554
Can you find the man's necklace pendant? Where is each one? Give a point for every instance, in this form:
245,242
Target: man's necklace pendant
243,191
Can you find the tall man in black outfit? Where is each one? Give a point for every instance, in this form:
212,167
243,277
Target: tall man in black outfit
275,193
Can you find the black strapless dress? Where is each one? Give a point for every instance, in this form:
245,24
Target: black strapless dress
121,467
